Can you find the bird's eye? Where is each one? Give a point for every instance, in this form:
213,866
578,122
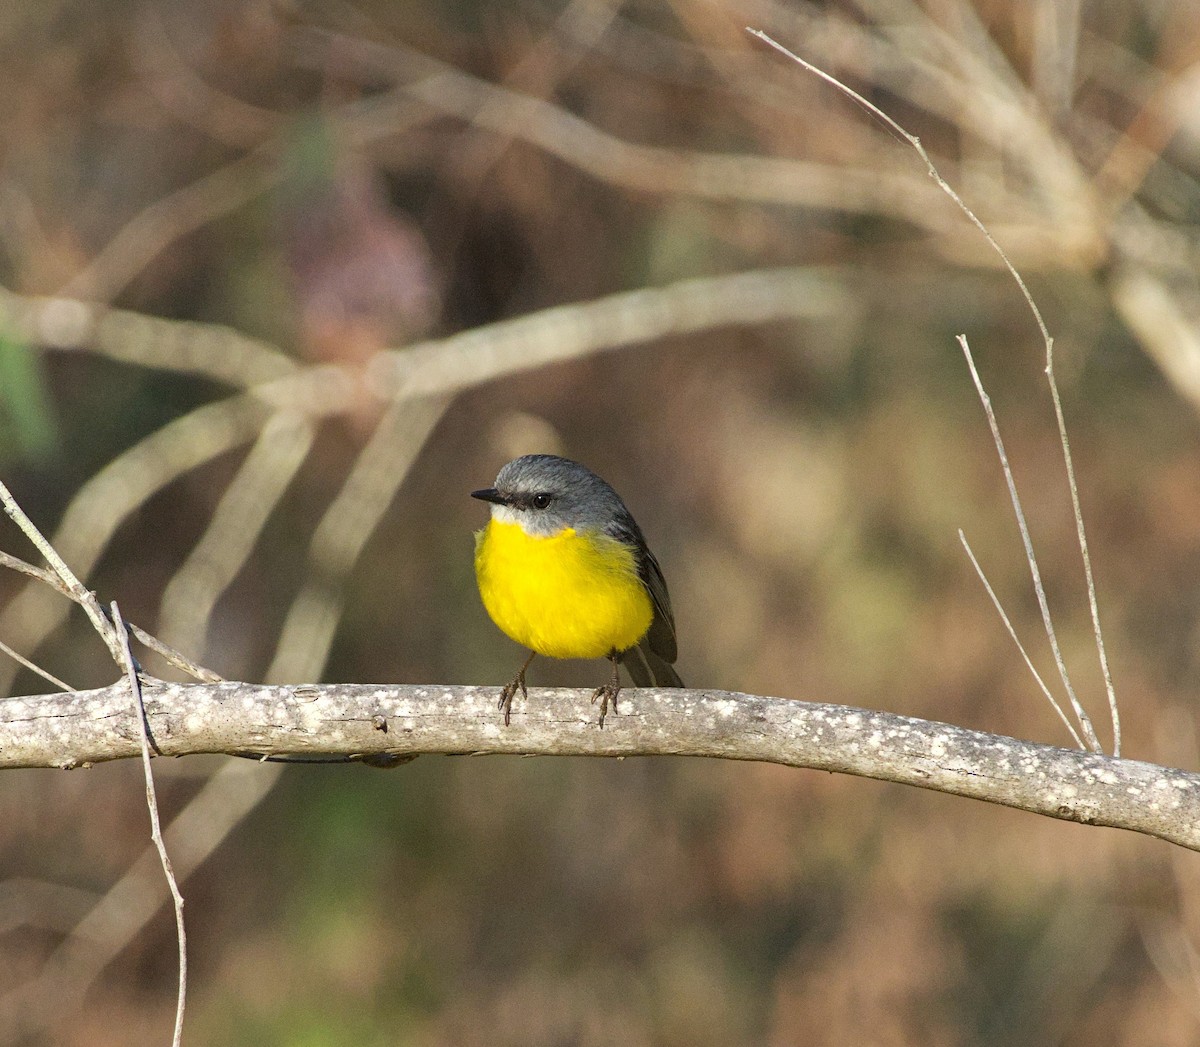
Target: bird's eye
540,501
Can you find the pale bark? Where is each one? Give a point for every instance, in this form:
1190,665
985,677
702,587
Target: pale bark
84,727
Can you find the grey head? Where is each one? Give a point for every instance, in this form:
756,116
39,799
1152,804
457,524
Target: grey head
545,493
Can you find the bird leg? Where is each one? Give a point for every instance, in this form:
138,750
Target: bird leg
510,690
609,691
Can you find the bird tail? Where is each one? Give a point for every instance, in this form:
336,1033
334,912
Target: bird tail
648,669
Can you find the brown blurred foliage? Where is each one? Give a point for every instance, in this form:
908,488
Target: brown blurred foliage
335,180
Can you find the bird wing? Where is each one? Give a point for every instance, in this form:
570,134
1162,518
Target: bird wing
660,638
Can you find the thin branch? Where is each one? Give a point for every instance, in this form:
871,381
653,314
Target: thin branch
14,563
1093,604
66,730
1086,724
174,657
49,677
1017,640
87,600
135,690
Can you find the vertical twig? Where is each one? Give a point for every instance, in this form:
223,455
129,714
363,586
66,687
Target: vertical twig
155,828
1093,605
1088,731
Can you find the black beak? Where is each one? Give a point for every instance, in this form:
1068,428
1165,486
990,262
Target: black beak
490,494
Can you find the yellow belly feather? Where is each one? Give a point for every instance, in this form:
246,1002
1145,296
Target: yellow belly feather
568,595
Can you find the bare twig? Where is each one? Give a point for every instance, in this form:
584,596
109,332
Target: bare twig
915,142
33,668
1093,604
176,658
1088,731
87,600
135,689
13,563
1017,640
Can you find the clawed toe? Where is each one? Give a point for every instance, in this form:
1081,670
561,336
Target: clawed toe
508,694
510,691
606,694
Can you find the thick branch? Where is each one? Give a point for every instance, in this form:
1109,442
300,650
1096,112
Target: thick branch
84,727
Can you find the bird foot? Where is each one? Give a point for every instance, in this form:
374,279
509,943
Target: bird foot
606,693
509,692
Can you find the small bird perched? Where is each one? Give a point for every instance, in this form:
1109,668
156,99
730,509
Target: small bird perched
563,569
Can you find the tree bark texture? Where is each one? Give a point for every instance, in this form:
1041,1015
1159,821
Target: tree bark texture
376,721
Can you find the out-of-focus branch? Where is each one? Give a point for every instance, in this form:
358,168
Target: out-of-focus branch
434,368
211,351
185,94
344,530
1155,290
567,332
70,730
170,217
649,169
220,192
235,526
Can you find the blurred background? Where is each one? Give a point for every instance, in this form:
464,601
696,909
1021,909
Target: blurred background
237,241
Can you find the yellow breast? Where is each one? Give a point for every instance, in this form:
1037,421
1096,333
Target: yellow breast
569,595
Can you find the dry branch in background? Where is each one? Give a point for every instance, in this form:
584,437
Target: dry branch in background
83,727
272,387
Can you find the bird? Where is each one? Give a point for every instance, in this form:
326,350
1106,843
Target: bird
564,570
